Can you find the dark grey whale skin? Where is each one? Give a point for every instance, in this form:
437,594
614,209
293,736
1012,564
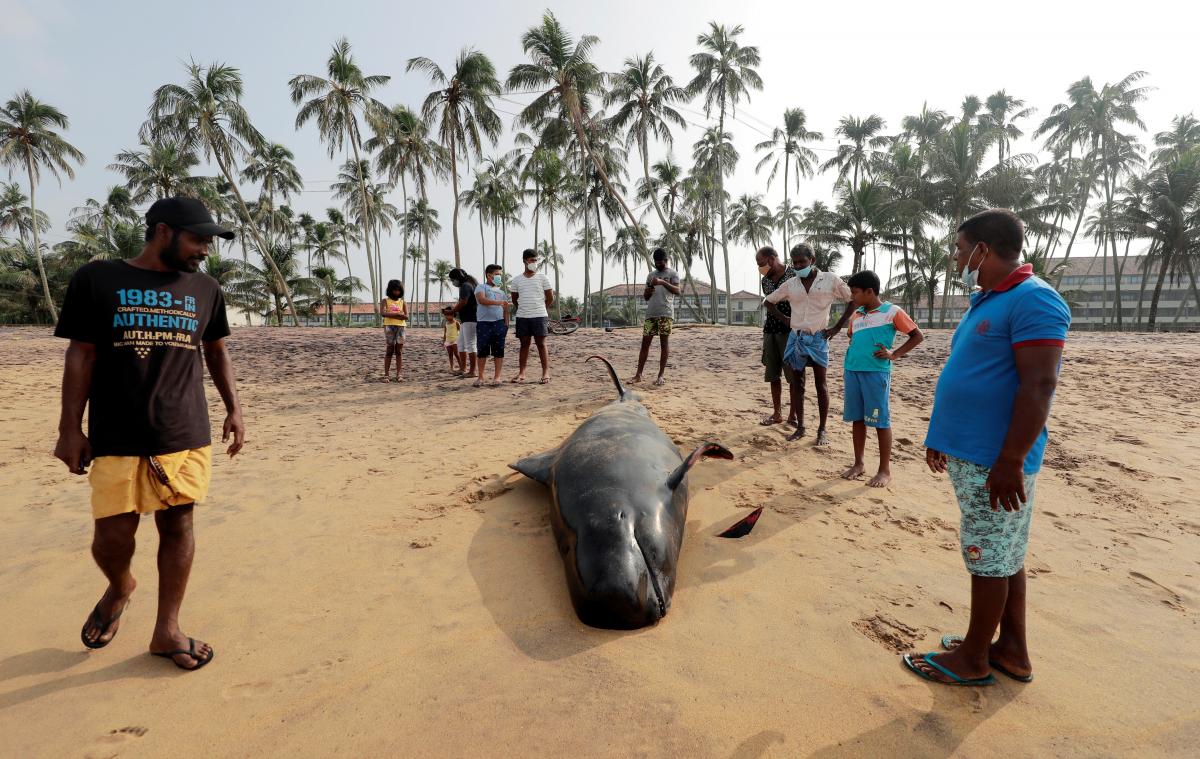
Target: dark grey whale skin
619,496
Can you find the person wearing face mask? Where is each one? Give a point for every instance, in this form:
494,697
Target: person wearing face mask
532,295
491,322
775,336
988,432
811,294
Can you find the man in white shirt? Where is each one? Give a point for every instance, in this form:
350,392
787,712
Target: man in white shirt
810,294
532,295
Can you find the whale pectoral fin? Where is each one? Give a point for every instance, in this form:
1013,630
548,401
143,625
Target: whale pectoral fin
705,450
537,467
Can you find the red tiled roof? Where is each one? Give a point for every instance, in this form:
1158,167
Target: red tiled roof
369,308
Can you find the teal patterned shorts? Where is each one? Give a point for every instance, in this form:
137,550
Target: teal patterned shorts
993,542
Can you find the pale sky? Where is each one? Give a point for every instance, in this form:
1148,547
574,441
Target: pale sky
100,62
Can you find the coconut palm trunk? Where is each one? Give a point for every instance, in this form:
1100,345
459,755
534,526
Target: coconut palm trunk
724,238
554,257
37,246
366,209
454,182
587,255
265,249
1163,266
577,122
350,276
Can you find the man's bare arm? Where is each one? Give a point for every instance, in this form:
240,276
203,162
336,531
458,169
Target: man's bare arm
73,448
220,366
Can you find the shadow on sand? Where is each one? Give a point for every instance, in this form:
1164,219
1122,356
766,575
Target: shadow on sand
52,660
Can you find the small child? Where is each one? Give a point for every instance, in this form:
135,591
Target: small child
395,319
450,338
868,370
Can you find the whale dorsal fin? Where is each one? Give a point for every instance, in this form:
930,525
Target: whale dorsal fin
622,393
705,450
538,466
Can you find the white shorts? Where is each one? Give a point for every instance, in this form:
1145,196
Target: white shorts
466,338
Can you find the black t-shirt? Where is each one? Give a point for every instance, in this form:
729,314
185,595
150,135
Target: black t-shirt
773,326
467,313
147,394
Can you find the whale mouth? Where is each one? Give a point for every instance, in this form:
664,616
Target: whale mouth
658,601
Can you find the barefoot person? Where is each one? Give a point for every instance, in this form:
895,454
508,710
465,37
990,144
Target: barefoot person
533,296
137,329
775,336
867,370
395,317
810,293
450,338
491,322
662,285
465,311
988,431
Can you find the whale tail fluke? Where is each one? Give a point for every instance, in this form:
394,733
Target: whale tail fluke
742,527
621,391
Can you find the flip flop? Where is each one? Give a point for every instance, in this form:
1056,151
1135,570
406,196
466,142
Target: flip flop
517,381
954,679
768,421
949,642
190,651
544,381
95,619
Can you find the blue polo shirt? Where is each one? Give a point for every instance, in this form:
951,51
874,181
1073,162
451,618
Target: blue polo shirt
973,403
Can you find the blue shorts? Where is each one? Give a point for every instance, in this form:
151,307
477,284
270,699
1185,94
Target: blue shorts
993,542
804,348
489,337
867,398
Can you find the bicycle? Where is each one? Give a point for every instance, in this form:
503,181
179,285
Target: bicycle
564,325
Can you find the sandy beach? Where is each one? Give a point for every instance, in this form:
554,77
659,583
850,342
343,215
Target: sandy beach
376,582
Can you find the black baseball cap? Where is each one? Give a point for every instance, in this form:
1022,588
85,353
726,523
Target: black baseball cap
185,213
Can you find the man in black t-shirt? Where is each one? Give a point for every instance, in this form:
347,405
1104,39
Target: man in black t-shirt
465,310
775,336
137,330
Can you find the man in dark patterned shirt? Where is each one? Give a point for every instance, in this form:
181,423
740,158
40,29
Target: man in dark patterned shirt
775,337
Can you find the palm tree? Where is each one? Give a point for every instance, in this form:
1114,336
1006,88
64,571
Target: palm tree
644,94
786,146
724,75
421,221
207,113
549,175
403,150
28,141
862,217
750,220
280,277
564,68
927,263
344,233
15,213
858,155
160,169
441,277
274,166
334,103
999,119
958,184
462,104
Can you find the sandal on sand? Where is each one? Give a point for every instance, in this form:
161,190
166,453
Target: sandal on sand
190,651
770,420
544,381
799,433
954,679
96,620
822,439
950,642
659,382
517,380
477,383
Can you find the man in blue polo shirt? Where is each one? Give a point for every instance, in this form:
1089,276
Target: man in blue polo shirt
988,431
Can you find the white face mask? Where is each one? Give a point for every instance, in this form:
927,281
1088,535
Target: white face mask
531,265
970,278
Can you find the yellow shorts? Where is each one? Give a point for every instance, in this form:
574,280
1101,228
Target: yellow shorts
123,484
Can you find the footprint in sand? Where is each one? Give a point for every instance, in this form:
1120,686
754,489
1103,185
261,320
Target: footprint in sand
1164,594
888,632
302,677
110,741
